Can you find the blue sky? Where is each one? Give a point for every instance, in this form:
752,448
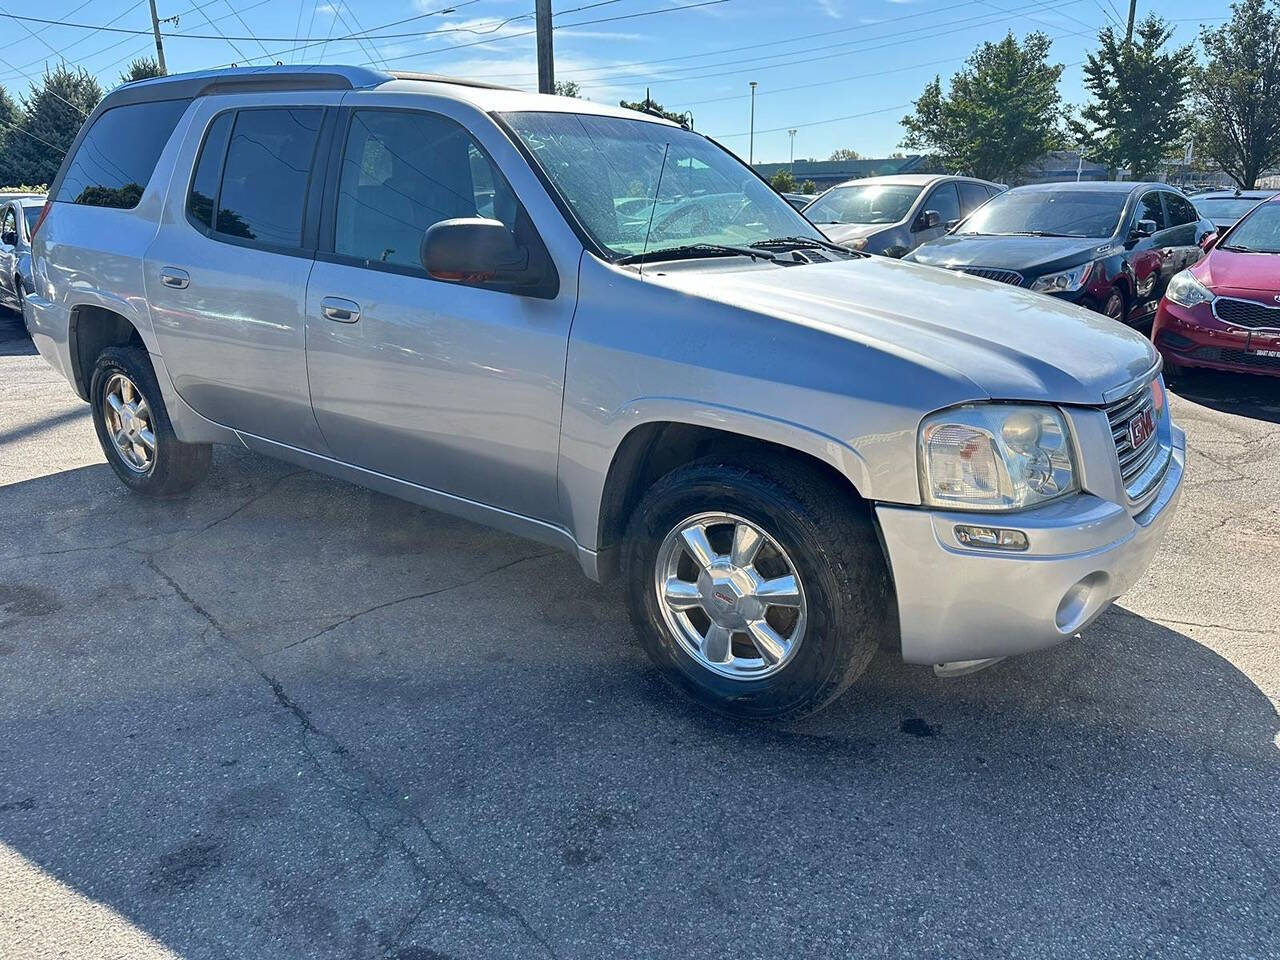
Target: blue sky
840,72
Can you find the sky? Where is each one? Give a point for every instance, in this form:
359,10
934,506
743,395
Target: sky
841,73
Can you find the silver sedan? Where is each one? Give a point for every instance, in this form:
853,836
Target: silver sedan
17,217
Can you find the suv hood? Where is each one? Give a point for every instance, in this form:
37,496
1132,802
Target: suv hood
1009,343
1029,255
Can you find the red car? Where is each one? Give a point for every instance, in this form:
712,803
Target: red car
1224,312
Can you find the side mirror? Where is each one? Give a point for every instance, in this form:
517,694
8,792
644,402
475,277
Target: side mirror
9,238
473,250
929,219
1209,241
1142,229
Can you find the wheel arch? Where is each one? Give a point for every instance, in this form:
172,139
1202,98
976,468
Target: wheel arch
91,329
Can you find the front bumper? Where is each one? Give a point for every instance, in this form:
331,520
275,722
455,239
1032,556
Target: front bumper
1194,337
964,603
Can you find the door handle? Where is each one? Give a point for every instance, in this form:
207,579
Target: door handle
175,278
339,310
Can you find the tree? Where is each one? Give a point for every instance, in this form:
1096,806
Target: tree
568,88
142,68
51,117
783,181
845,153
809,187
1000,113
10,121
1237,92
649,105
1138,112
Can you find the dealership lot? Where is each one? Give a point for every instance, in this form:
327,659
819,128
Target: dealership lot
287,717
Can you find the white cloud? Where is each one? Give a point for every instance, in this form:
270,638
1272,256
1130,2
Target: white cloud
832,8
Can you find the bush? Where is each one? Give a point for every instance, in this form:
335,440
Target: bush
26,188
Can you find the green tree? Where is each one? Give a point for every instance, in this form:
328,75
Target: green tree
568,88
649,105
1000,113
783,181
143,68
51,117
809,187
845,153
1237,92
10,130
1138,112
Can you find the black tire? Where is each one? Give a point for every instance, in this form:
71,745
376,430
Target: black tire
1115,306
833,545
175,467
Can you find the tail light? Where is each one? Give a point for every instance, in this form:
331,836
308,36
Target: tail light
44,212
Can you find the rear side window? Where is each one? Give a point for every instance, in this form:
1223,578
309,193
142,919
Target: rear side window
266,174
972,196
118,155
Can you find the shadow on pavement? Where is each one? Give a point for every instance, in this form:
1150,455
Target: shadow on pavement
288,717
1243,394
14,341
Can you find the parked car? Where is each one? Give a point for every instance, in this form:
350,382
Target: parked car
1224,312
894,215
17,217
788,452
798,200
1111,247
1224,207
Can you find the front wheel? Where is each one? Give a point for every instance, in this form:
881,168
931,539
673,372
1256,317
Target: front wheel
1114,306
760,595
134,430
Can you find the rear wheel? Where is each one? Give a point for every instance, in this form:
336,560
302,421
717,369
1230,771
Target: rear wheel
757,594
134,430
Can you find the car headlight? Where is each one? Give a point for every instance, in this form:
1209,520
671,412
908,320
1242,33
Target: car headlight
995,456
1186,290
859,244
1067,281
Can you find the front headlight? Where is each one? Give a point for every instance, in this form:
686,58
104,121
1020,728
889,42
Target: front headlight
1068,281
859,244
1186,290
995,456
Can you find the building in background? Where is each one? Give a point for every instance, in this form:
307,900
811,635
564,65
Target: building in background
827,173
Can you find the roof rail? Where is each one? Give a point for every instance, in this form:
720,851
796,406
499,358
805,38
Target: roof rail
441,78
277,77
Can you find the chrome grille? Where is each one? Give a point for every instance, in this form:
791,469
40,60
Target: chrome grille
1136,465
1011,277
1247,313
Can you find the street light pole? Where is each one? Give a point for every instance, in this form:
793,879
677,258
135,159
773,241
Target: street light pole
155,29
546,59
792,134
751,144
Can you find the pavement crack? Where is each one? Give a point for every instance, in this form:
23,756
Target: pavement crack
415,596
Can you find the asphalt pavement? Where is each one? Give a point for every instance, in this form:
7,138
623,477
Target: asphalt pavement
286,717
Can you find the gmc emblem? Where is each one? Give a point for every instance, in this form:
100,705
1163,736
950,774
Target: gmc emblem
1141,428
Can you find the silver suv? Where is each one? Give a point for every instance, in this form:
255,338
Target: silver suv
602,331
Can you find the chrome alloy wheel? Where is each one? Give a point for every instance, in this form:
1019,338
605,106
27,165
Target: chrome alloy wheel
128,420
731,596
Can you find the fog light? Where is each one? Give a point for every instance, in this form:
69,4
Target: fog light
998,538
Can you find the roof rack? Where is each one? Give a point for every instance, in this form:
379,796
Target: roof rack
441,78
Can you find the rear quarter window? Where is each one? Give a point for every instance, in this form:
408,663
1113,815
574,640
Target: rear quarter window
116,158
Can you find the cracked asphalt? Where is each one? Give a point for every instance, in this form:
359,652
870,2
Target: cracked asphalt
287,718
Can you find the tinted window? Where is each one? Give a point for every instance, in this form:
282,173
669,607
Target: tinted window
1068,213
972,196
32,214
204,185
1180,209
1149,208
863,203
402,172
1226,208
9,224
264,183
119,154
944,200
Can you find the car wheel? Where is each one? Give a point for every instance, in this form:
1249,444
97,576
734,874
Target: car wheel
759,594
134,430
18,293
1114,306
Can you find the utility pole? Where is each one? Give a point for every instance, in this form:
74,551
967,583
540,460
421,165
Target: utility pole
1128,31
751,144
546,57
155,28
792,135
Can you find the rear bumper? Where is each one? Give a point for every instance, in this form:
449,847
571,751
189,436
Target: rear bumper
965,603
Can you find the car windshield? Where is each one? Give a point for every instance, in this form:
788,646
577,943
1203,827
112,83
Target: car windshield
638,186
1257,233
864,203
1226,208
1064,213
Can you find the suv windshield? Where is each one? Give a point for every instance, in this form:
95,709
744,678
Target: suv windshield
1225,208
1257,233
1063,213
638,186
863,203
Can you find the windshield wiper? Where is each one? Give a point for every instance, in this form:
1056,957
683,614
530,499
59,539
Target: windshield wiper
799,243
690,251
1035,233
